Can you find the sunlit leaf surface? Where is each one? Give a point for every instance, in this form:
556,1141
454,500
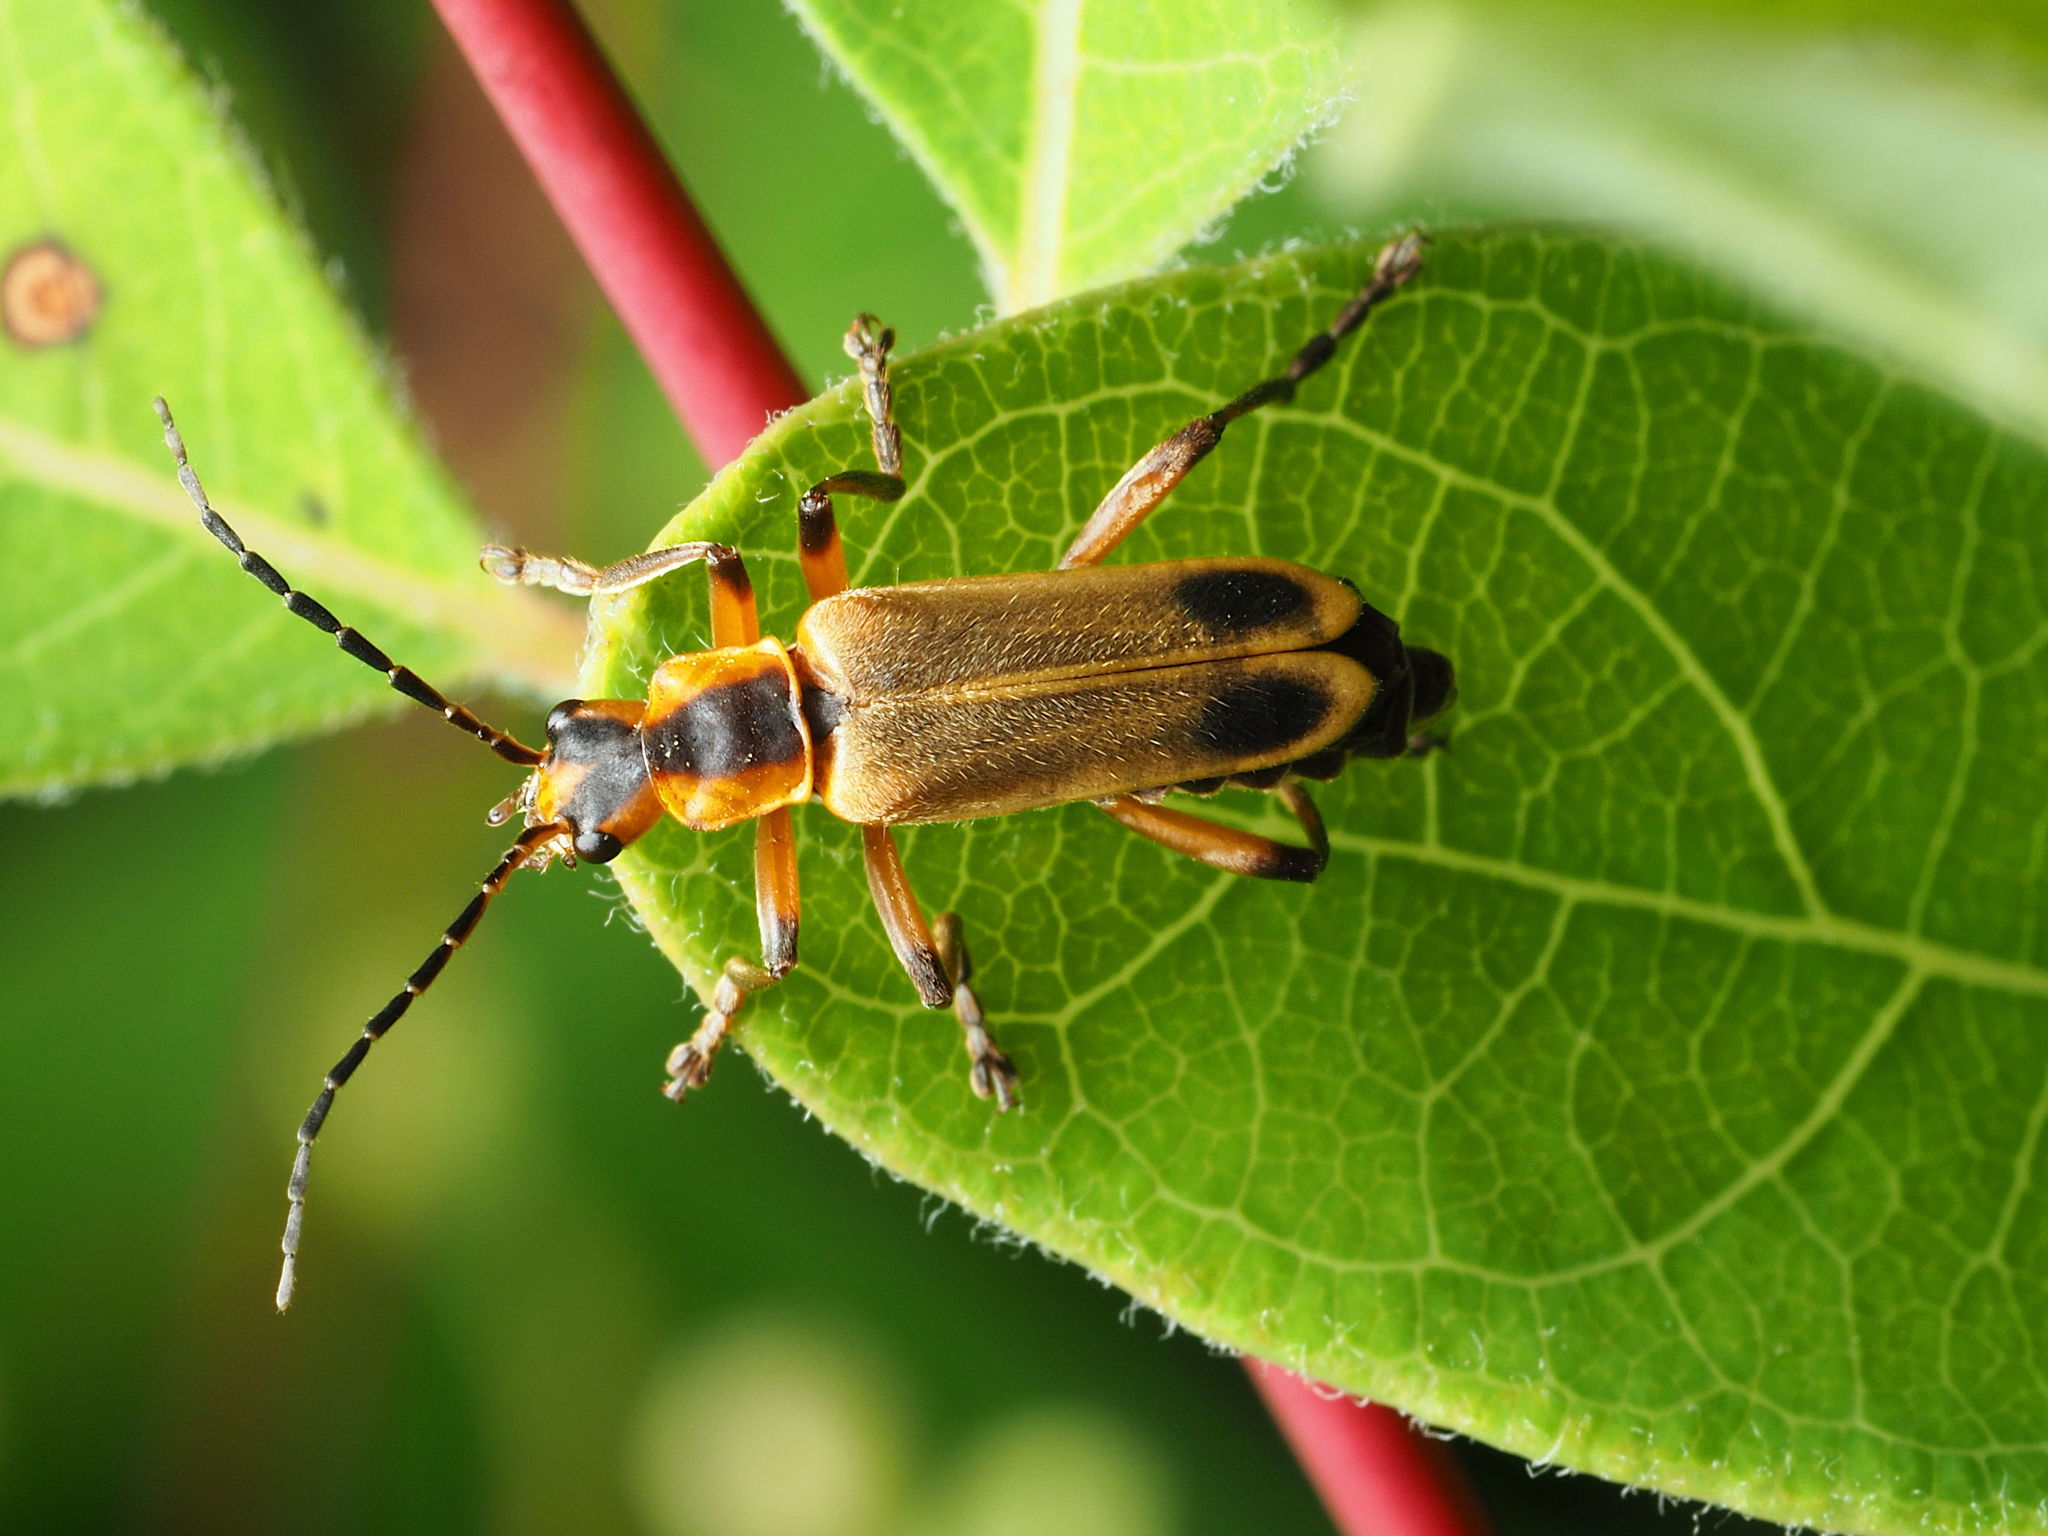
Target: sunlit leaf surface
129,643
1655,1082
1083,141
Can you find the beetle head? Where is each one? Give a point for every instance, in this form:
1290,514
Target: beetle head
592,780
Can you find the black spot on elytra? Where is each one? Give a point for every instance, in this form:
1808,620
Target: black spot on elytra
1257,716
1234,601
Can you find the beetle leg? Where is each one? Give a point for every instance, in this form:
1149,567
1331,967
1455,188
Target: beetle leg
1149,481
993,1075
1227,848
818,546
819,549
775,905
689,1064
938,967
868,342
902,919
732,590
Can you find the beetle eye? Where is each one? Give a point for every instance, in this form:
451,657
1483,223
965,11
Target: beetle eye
594,847
560,716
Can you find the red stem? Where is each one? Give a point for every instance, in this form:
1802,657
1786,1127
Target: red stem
600,166
1378,1475
724,374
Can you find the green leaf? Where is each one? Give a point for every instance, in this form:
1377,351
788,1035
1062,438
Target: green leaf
1656,1081
1898,194
131,643
1084,141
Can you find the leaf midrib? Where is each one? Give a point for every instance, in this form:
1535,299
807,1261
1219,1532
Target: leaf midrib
1048,160
515,636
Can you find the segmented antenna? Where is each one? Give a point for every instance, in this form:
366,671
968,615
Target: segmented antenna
404,679
517,857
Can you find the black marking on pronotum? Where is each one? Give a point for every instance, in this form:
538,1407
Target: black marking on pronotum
726,730
1229,603
1256,716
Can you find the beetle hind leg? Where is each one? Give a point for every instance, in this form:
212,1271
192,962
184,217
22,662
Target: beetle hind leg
1227,848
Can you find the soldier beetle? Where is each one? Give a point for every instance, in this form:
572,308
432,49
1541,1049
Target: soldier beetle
937,701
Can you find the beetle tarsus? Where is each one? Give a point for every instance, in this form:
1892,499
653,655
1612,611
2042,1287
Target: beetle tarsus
868,342
993,1075
689,1064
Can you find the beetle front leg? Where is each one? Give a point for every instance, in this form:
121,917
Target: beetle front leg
1226,848
819,550
733,620
1151,480
776,910
939,967
689,1064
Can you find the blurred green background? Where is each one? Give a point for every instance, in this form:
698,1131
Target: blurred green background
538,1298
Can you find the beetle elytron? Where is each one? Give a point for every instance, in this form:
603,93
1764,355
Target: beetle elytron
938,701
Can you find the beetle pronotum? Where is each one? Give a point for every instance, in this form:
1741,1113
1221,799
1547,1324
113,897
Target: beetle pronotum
937,701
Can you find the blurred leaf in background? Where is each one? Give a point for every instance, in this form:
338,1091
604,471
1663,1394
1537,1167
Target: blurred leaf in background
119,664
1083,143
1888,178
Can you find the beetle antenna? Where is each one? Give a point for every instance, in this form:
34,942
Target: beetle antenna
404,679
523,853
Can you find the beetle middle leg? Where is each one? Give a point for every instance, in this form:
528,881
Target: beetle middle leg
992,1075
819,550
1228,848
1149,481
938,967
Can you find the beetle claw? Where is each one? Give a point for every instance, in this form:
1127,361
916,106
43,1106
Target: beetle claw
993,1075
689,1064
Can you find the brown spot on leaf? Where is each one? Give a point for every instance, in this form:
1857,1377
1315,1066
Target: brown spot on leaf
48,296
